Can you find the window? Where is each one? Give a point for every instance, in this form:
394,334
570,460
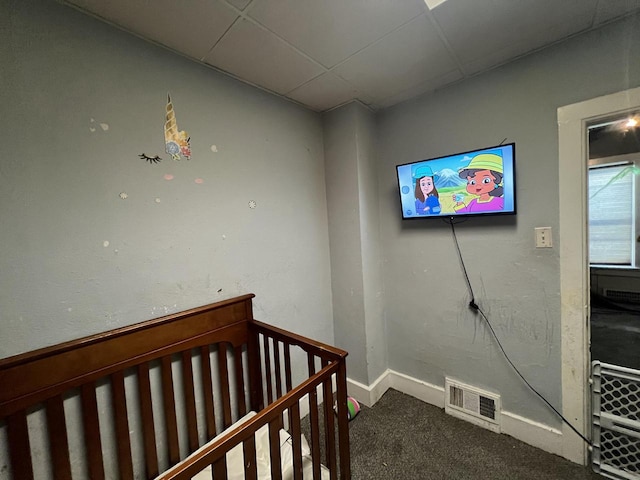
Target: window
611,214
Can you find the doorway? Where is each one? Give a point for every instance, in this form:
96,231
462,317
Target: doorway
614,251
573,121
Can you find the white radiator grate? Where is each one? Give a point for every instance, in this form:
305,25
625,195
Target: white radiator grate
472,404
616,421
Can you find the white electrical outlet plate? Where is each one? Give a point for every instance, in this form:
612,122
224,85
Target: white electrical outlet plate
543,237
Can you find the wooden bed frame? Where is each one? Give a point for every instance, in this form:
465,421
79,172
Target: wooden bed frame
168,386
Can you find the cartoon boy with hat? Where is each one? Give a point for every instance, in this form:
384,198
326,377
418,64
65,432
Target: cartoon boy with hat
426,194
483,176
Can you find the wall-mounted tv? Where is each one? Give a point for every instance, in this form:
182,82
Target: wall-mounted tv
479,182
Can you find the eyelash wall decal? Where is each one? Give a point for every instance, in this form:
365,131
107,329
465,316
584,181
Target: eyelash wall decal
155,159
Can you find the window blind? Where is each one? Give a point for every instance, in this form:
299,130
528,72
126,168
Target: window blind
610,215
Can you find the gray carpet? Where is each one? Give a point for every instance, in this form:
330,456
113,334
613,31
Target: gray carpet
401,437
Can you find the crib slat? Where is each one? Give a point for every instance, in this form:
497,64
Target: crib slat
242,403
329,427
250,465
189,400
287,366
146,416
274,448
169,404
123,441
343,434
297,445
220,469
91,428
207,388
276,361
58,441
224,384
255,372
313,417
19,448
267,369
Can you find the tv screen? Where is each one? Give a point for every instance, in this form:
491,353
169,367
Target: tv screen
479,182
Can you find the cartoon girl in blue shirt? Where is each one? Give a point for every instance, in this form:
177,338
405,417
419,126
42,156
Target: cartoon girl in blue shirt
426,194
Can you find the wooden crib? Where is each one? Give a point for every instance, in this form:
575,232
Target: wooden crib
135,402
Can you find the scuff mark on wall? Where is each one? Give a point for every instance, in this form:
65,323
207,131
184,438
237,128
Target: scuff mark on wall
93,125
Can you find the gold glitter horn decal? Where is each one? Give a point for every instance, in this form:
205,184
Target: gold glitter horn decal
176,142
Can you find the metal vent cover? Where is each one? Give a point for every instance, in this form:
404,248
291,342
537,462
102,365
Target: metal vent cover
616,421
472,404
622,295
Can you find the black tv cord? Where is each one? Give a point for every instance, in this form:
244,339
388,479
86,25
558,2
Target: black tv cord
474,306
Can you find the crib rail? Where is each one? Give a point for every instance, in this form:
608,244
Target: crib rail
150,394
214,453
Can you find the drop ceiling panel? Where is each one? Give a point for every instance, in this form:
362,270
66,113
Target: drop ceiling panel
332,30
191,27
323,92
609,9
421,88
255,55
324,52
240,4
483,33
403,59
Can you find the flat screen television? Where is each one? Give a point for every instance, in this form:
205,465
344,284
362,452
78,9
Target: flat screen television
479,182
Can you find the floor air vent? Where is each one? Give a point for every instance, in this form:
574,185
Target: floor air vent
472,404
622,295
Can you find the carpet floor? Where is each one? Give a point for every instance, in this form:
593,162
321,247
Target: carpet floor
401,437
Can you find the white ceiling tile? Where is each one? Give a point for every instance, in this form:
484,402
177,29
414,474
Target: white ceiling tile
240,4
421,89
255,55
191,27
484,33
380,51
610,9
323,92
409,56
331,30
433,3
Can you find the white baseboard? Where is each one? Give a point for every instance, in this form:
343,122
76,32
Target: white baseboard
534,433
369,394
427,392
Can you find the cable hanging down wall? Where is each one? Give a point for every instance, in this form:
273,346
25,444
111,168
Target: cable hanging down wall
476,308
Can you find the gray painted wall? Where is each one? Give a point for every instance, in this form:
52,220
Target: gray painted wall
60,184
431,332
354,228
367,154
61,175
344,211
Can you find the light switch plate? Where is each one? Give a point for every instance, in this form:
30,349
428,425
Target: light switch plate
543,237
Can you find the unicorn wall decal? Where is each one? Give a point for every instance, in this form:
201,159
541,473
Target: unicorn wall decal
176,142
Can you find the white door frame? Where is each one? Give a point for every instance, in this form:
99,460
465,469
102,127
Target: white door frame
574,267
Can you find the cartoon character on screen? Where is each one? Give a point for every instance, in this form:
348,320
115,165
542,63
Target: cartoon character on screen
484,178
427,198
